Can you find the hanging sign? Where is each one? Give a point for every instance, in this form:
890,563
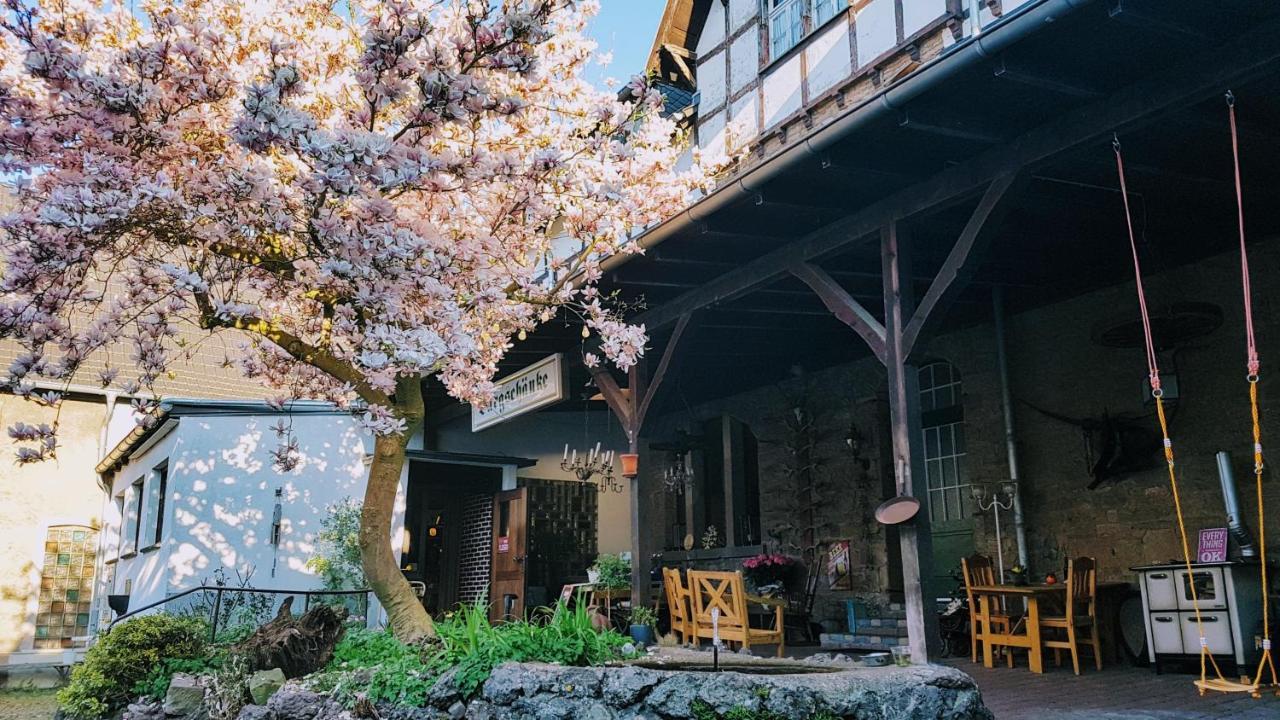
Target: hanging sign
838,577
504,544
1213,545
536,386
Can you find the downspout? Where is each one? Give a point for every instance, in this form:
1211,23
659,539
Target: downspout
1010,438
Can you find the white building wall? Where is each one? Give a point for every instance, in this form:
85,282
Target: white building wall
220,498
744,61
876,26
742,12
711,81
827,57
782,93
712,32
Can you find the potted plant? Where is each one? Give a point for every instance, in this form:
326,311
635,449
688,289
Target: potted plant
1019,575
613,572
643,618
769,571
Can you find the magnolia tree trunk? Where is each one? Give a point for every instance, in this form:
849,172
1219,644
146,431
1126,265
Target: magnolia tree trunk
409,620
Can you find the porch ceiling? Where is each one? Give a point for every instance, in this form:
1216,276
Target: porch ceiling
1064,234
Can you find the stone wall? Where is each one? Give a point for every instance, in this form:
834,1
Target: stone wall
1054,365
560,693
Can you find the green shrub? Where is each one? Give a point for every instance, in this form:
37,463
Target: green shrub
337,559
124,658
387,670
615,572
156,683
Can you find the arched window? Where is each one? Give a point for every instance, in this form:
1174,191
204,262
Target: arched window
66,586
942,418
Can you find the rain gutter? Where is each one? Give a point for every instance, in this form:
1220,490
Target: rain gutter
983,45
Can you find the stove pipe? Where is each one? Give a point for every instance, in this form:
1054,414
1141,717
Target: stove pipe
1235,524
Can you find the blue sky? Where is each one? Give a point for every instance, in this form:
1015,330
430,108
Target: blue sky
627,28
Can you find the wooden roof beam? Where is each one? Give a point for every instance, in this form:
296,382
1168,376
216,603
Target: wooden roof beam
1179,83
1038,79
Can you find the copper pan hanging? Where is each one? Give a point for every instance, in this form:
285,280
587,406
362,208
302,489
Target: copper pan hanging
903,507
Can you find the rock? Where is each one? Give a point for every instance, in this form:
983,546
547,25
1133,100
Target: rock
293,702
185,697
264,683
457,711
627,685
143,710
628,649
255,712
445,693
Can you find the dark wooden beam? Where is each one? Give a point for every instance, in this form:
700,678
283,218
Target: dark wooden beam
617,400
948,128
843,306
669,353
1133,13
1006,70
1196,77
914,536
965,256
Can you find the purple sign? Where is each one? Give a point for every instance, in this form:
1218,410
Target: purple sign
1213,545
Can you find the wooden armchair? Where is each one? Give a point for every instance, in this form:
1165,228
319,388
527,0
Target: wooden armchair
978,570
725,591
1081,614
678,605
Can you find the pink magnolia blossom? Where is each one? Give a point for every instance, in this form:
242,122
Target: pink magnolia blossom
369,196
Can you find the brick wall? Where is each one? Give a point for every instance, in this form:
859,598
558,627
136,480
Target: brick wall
1055,365
475,550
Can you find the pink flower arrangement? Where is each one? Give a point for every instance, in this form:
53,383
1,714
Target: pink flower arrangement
768,568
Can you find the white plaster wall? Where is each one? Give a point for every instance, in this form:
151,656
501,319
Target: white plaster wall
877,28
711,82
712,32
918,13
745,118
221,495
542,436
782,94
711,137
827,56
742,12
744,61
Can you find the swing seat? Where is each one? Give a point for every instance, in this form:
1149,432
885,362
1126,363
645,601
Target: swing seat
1225,686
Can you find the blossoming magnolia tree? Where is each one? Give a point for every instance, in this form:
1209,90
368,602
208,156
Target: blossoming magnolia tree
368,191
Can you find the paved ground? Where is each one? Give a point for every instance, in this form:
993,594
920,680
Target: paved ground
27,704
1116,693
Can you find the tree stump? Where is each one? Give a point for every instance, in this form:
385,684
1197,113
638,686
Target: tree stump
297,645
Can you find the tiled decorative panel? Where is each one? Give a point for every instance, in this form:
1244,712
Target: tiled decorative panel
66,586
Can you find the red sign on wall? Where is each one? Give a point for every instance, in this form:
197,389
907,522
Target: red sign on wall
504,544
1213,545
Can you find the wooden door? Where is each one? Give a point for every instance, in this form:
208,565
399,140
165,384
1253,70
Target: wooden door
510,541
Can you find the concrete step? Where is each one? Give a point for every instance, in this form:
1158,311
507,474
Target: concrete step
881,626
844,641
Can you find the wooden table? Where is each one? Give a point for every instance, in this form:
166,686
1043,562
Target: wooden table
1031,638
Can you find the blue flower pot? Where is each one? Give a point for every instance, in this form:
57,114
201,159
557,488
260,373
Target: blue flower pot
643,635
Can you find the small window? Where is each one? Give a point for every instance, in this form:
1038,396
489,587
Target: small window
153,526
791,20
942,420
132,515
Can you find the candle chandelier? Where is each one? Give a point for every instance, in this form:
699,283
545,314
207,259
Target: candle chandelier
677,476
593,464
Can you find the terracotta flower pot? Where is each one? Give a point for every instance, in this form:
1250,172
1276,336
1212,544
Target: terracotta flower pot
630,464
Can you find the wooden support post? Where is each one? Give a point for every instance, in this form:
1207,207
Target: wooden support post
908,442
630,408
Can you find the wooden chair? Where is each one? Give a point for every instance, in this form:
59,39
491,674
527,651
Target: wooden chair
725,591
978,570
800,606
678,605
1081,614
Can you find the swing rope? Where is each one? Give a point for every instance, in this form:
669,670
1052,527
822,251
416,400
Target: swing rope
1253,365
1153,368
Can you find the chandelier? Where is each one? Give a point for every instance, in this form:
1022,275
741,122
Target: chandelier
592,464
677,476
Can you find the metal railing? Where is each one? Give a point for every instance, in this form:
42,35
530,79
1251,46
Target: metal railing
225,607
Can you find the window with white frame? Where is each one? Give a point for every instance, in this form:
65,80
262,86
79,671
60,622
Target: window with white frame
132,516
153,517
942,420
791,20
